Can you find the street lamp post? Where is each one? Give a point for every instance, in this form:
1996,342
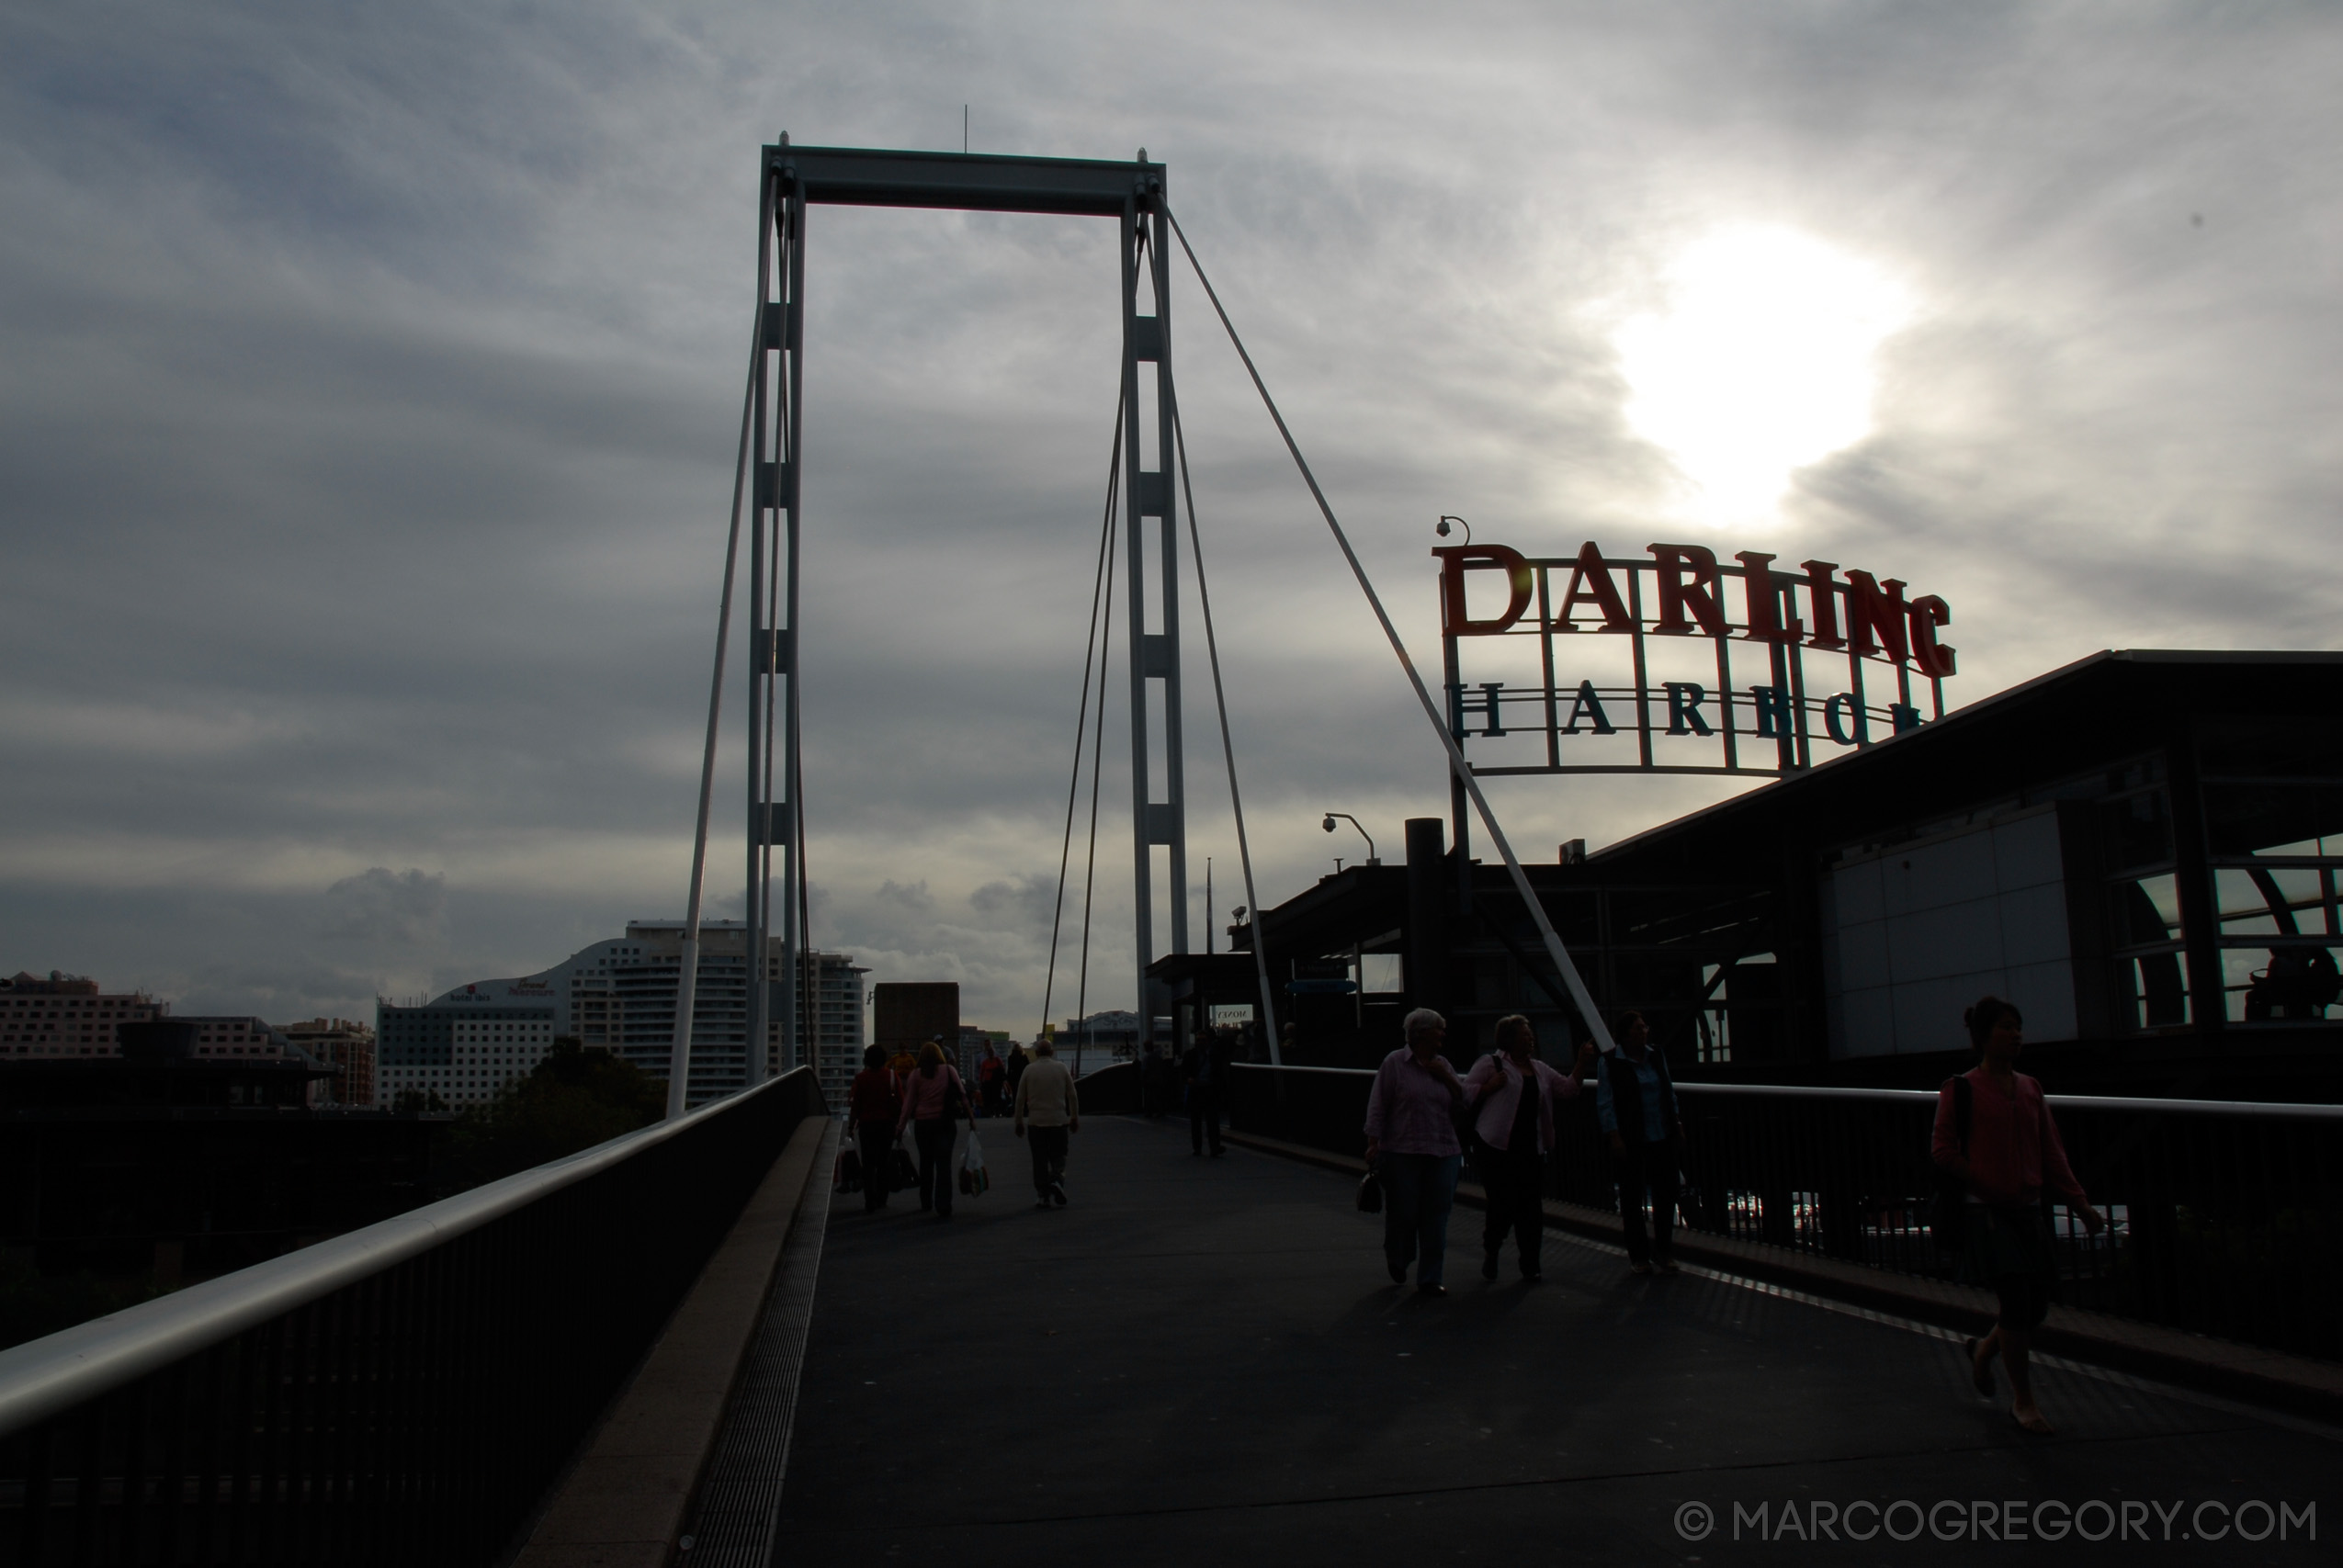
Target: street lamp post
1328,825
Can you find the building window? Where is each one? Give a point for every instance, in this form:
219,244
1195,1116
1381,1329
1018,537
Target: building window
2273,811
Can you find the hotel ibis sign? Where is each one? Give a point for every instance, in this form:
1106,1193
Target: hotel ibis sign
1677,662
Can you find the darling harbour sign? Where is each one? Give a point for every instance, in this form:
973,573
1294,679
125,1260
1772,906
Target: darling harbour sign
1676,662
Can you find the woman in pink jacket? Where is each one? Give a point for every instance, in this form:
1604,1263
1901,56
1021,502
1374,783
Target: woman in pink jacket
2009,1158
934,1100
1512,1095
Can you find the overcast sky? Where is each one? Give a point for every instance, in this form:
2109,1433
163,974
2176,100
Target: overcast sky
371,378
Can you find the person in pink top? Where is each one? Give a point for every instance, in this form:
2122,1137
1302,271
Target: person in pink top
934,1100
2004,1151
1512,1095
1411,1148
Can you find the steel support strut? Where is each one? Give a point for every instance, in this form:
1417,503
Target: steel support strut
1154,654
775,805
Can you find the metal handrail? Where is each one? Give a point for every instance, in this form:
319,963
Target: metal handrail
1290,1068
2137,1105
45,1376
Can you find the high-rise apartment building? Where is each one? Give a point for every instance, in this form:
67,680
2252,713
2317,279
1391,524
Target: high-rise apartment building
619,996
66,1015
830,1022
346,1047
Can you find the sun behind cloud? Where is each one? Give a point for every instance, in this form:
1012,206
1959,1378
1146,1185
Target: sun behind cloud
1761,363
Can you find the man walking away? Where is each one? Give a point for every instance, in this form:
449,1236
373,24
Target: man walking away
1046,1111
1018,1062
1205,1068
1636,1101
871,1107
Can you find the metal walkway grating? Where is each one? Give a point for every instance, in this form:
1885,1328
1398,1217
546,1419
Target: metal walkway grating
740,1502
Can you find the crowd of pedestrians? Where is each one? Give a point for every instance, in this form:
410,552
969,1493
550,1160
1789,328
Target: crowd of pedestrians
1995,1143
923,1095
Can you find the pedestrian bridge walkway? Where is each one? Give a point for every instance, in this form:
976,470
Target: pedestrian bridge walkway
1202,1361
679,1350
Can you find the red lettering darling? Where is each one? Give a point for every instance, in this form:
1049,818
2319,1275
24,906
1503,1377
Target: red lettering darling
1869,617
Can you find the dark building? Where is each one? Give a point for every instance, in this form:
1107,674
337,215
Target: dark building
2141,849
164,1163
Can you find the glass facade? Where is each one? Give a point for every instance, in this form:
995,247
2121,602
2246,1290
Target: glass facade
2273,820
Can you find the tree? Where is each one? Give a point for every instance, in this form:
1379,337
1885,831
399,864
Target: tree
573,1100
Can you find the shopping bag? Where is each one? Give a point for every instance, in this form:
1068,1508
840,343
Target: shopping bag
848,1175
905,1174
974,1178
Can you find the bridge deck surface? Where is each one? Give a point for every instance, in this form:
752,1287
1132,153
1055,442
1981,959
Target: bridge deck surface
1202,1359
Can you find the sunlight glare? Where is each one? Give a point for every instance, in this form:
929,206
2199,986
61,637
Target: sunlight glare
1760,365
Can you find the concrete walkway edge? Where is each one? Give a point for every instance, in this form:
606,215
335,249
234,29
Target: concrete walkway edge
2248,1372
623,1505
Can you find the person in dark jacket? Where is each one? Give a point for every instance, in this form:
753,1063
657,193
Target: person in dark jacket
992,1081
1635,1100
871,1106
1206,1070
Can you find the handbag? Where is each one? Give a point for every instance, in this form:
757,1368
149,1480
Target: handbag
975,1180
1949,1215
1370,1193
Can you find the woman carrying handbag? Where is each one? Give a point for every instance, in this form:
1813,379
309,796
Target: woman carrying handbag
934,1102
1512,1096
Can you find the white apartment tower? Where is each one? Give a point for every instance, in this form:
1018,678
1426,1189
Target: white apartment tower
619,996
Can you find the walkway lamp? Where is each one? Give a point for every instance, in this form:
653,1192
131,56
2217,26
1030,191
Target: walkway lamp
1328,825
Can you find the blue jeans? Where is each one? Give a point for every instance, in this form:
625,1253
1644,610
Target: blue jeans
1418,1193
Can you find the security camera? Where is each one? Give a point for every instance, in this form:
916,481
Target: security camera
1328,824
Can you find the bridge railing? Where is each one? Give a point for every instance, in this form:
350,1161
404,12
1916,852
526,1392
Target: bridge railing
2226,1218
404,1393
1109,1090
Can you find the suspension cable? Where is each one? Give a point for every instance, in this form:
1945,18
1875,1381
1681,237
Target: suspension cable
679,1051
1090,869
1100,586
1458,765
1228,750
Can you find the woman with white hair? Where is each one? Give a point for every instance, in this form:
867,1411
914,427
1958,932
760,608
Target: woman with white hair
1411,1144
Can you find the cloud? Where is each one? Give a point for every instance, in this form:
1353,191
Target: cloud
384,908
1030,900
368,393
